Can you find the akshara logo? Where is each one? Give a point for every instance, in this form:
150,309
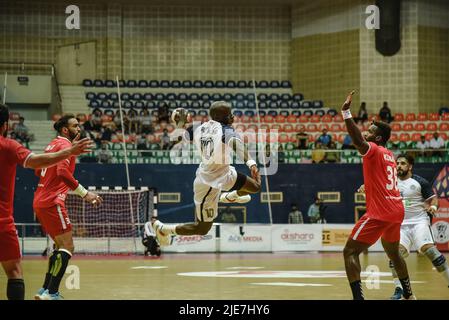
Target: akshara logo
294,236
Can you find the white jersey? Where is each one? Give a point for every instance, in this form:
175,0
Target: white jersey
211,140
415,191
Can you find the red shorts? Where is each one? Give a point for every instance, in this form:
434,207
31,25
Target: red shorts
368,230
54,220
10,248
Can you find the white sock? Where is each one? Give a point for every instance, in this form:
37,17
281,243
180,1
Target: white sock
232,195
397,283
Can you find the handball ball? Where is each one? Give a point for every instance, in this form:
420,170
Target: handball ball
176,115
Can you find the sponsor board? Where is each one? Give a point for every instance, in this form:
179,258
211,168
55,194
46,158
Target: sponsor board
440,226
194,243
300,237
245,238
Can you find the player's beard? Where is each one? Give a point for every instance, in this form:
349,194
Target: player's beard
402,173
72,135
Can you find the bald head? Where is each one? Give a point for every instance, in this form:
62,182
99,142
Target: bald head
221,111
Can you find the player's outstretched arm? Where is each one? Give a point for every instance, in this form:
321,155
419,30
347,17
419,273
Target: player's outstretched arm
242,153
39,161
354,131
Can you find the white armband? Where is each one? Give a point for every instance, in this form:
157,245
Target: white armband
251,163
346,114
80,190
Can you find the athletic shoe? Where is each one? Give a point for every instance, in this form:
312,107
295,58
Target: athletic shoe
241,199
163,237
397,295
50,296
39,293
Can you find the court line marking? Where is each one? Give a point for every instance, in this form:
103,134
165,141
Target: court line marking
279,274
149,267
292,284
390,281
245,268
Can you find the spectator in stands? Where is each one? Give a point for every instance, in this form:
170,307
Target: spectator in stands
134,121
228,217
145,121
422,145
385,113
436,143
142,142
281,154
295,216
165,140
301,139
106,134
95,119
332,155
362,115
318,153
325,138
21,131
117,121
314,211
104,154
347,143
162,111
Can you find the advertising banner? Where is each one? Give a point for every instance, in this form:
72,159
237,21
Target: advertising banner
245,238
195,243
296,237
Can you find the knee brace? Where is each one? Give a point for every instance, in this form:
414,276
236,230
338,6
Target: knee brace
438,260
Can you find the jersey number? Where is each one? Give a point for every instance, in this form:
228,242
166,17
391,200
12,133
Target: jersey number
209,212
43,172
392,178
207,148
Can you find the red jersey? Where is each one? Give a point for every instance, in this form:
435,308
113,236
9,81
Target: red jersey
12,153
383,200
55,181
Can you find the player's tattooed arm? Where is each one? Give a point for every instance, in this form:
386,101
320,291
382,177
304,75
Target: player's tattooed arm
433,205
356,135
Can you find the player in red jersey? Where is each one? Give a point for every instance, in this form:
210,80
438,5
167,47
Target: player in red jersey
385,210
49,206
12,154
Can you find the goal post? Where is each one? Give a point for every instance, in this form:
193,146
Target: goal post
114,227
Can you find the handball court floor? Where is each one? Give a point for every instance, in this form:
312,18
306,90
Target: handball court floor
231,276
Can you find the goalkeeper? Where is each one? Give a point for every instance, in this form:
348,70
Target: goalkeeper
149,240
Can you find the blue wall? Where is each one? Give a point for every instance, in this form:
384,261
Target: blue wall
299,183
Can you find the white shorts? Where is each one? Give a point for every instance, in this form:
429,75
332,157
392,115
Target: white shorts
206,197
415,236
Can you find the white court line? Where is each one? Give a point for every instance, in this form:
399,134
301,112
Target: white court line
292,284
390,281
245,268
149,267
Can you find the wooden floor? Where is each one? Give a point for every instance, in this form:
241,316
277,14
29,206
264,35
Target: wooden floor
287,276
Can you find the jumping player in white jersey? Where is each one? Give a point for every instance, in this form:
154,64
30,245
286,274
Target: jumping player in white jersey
419,200
215,139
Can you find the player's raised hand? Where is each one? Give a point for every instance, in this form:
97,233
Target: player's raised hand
81,146
255,174
348,101
93,198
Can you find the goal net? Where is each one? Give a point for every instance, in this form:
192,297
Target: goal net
116,225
